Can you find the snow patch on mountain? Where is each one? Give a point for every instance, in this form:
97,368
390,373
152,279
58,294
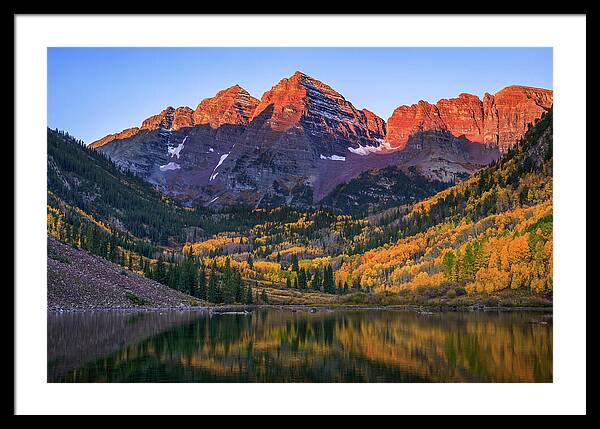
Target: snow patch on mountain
366,150
334,157
170,166
214,174
176,150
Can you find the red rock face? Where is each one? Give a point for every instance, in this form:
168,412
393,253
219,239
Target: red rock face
463,116
129,132
163,120
499,119
508,113
301,101
375,125
183,117
231,106
407,120
287,102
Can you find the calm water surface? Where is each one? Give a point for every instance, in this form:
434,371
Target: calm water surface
297,346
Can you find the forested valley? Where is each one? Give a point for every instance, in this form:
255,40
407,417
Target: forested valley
486,238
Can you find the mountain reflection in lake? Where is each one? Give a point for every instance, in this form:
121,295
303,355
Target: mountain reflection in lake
296,346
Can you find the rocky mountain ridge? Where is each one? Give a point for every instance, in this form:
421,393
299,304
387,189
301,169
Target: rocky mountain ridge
303,138
498,120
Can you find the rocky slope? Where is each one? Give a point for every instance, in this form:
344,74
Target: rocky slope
303,138
77,279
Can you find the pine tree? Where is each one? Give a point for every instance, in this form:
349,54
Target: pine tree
112,249
295,266
228,284
328,281
249,300
239,287
302,279
145,271
160,274
213,287
182,280
316,281
202,284
191,275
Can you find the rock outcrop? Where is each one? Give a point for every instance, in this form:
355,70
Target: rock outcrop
231,106
129,132
509,113
499,119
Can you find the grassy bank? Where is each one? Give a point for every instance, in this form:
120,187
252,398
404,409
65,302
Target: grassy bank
429,296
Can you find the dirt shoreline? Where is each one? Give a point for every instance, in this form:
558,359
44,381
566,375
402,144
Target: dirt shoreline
230,308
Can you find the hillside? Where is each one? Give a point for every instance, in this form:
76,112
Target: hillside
77,279
378,189
521,178
488,234
87,180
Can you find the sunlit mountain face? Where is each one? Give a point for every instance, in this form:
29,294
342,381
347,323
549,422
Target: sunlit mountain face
302,139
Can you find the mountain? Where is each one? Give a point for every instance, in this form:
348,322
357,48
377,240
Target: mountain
303,138
488,237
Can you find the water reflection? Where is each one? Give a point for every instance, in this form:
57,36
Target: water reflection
285,346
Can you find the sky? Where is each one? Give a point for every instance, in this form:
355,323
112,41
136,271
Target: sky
96,91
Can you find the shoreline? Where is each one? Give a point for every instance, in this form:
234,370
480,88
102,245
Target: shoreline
240,308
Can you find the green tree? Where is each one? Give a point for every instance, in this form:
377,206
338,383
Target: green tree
328,281
202,283
229,286
240,293
160,274
295,266
449,262
302,279
468,263
213,286
316,281
249,300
